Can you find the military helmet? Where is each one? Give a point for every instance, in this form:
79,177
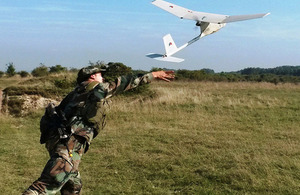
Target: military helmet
86,72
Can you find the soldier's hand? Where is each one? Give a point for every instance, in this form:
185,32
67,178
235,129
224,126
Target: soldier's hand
164,75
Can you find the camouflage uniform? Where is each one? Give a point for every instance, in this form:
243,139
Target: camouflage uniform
87,105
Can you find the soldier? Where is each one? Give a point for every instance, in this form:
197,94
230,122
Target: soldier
68,129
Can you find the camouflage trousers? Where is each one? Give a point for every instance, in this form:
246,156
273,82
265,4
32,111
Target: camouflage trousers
61,172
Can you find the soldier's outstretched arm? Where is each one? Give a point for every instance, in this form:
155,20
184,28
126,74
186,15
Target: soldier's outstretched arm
127,82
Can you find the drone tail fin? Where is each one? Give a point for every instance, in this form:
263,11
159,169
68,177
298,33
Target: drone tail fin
170,48
170,45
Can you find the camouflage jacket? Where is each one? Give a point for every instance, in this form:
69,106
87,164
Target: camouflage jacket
87,102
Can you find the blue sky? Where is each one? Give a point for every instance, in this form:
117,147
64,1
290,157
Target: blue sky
72,33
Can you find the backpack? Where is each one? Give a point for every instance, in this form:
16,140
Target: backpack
52,125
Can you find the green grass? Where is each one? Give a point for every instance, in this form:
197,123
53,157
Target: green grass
190,138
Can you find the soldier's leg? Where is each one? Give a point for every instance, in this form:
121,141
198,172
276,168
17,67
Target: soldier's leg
62,166
74,184
78,144
55,174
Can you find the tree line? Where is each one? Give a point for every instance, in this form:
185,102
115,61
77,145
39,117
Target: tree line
276,75
201,75
40,71
282,70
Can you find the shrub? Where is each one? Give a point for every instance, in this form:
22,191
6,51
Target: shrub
24,74
1,74
57,69
40,71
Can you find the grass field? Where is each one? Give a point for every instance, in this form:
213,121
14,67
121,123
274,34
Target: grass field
192,138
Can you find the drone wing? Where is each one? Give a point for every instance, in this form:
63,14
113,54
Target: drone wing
172,8
185,13
243,17
221,19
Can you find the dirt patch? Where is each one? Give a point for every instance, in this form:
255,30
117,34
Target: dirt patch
19,105
34,102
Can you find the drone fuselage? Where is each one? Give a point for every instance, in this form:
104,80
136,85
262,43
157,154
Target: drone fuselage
210,28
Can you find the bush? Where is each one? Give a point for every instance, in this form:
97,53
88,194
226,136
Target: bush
57,69
40,71
1,74
24,74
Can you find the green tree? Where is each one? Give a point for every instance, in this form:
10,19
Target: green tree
10,71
